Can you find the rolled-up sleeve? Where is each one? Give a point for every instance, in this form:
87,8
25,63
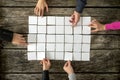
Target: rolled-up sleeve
80,4
45,75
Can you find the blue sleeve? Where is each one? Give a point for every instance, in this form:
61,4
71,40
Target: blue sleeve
6,35
80,4
45,75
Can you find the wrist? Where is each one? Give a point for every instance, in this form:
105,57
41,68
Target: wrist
103,27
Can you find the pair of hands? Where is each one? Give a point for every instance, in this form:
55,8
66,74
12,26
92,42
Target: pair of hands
67,66
42,6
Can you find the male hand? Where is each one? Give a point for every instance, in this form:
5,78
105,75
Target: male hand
18,39
46,64
75,18
68,67
40,7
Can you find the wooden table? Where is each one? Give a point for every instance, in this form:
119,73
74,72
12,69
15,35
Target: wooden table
105,46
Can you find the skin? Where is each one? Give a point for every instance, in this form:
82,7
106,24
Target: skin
18,39
68,68
46,64
97,26
42,6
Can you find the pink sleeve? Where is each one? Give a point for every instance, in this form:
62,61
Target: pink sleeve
113,26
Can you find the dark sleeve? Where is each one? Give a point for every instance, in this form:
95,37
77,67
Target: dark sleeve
80,4
6,35
45,75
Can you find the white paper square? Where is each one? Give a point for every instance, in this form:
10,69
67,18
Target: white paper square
41,20
86,30
50,47
86,39
59,38
51,20
77,56
50,29
59,29
68,47
59,56
40,55
41,38
86,20
32,38
41,47
68,56
32,28
86,48
32,47
80,22
59,47
68,29
77,47
32,56
67,21
68,38
51,55
50,38
42,29
85,56
77,38
32,19
78,30
59,20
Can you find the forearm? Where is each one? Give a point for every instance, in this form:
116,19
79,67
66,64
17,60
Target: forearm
80,4
72,76
45,75
6,35
113,26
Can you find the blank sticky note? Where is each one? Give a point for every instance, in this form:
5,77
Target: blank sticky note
68,56
41,20
77,47
67,21
86,30
59,47
85,56
32,19
86,48
86,39
68,29
50,47
50,55
51,20
86,20
31,47
59,20
50,38
59,56
68,38
77,56
59,38
41,47
32,38
50,29
68,47
40,55
59,29
78,30
42,29
32,56
77,38
41,38
32,28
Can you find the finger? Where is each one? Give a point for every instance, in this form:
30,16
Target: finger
41,62
37,11
23,44
46,8
42,12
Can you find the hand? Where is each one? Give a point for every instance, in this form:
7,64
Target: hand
68,67
97,26
46,64
18,39
75,18
40,7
